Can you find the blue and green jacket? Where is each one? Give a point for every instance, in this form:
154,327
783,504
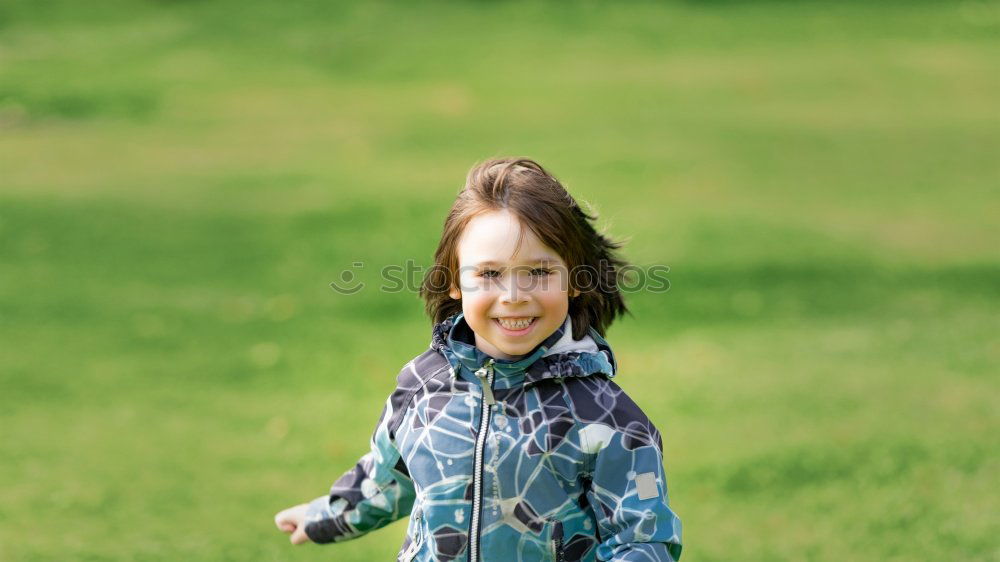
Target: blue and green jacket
542,458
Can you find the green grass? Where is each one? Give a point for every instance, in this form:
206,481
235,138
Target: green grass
180,182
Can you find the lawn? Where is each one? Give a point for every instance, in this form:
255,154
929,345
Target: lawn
180,182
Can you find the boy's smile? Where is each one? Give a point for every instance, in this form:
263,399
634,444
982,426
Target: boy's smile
512,297
516,326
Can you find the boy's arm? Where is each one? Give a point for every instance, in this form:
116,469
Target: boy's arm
628,490
376,492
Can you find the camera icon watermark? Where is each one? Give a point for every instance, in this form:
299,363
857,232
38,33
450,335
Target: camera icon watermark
348,284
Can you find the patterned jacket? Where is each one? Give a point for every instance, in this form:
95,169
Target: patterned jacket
543,458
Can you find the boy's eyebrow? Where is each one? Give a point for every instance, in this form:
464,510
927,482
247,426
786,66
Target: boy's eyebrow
542,259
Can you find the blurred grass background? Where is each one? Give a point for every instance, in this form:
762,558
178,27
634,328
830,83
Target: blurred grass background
181,181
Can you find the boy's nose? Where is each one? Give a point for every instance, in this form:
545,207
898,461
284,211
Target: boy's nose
514,293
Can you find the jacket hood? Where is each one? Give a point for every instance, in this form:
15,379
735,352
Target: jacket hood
557,356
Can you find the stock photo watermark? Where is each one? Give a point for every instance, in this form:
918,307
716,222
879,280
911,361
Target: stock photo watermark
410,276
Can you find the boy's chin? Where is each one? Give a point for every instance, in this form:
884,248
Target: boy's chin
516,352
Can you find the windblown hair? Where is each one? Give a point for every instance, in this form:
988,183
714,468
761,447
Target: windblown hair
525,189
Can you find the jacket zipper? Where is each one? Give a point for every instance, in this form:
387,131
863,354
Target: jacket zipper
557,541
414,548
485,376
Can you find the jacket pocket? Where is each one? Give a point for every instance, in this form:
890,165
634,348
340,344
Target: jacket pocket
418,538
557,541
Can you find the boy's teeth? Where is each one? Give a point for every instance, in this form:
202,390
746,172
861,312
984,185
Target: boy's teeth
519,324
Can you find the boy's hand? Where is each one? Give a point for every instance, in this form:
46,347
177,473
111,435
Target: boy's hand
291,521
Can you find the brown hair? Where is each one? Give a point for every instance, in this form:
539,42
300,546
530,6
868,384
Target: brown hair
540,202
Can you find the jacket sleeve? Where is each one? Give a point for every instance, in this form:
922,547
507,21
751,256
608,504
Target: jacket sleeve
628,490
376,492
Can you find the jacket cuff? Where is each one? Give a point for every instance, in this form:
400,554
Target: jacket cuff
317,520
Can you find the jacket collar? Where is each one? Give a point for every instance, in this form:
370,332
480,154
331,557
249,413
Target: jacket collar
557,356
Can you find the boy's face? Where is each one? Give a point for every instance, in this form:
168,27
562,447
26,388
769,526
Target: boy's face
511,302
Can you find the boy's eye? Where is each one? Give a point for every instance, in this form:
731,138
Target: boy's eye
493,274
